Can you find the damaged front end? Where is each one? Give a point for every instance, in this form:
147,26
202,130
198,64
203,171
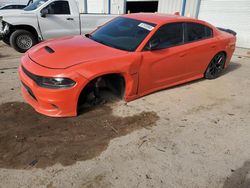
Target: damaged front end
4,28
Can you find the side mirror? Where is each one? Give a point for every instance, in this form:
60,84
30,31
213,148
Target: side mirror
87,35
153,44
44,12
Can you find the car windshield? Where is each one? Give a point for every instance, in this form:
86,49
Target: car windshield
35,5
123,33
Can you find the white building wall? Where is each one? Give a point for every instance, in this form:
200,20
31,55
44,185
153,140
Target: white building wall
230,14
172,6
117,6
169,6
102,6
81,6
96,6
191,8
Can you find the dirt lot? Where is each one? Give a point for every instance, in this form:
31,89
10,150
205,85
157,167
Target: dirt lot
29,139
193,135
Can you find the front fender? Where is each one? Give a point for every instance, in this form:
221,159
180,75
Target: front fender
127,66
22,21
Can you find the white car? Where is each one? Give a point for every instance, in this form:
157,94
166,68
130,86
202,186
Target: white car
8,8
47,19
12,6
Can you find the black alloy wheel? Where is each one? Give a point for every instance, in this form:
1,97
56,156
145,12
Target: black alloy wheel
216,66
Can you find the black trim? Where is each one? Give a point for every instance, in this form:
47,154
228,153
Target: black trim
227,30
29,91
48,49
30,75
39,80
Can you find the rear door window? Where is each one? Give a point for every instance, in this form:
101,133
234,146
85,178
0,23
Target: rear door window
9,7
20,6
168,35
195,32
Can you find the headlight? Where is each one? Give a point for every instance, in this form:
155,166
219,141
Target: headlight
50,82
6,27
55,83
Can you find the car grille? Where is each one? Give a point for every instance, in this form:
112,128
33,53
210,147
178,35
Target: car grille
29,91
33,77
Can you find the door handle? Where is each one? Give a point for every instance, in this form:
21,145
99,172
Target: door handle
69,18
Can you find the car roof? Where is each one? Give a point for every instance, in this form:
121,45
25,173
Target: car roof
157,18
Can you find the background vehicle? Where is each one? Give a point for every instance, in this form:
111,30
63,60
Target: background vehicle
132,56
12,6
47,19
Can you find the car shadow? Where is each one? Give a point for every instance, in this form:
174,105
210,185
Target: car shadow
239,177
231,67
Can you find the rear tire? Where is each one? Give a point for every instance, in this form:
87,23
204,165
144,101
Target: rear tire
22,40
216,66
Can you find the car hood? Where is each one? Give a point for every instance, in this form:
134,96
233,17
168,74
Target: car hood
11,12
67,52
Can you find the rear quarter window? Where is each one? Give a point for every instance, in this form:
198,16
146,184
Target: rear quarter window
195,32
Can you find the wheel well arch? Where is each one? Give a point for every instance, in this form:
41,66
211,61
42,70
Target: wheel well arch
220,51
224,52
117,80
24,27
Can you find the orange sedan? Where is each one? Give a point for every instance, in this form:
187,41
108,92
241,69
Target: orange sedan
132,55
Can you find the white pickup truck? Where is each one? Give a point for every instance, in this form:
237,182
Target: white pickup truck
47,19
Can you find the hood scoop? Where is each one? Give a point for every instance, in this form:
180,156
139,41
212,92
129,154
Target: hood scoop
49,50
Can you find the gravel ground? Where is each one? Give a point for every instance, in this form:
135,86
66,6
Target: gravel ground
195,135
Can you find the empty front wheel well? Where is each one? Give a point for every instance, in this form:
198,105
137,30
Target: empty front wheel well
114,83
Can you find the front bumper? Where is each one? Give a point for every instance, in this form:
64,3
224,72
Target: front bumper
50,102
